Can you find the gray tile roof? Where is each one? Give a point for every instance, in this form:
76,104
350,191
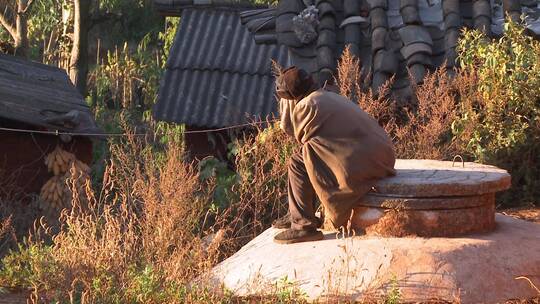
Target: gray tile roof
391,37
43,96
216,75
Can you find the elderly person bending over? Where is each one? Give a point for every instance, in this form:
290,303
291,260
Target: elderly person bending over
344,152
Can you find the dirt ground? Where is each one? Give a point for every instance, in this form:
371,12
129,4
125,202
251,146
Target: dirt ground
531,214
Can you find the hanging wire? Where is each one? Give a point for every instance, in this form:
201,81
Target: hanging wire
57,133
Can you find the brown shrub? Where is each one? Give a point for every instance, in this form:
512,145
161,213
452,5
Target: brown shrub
144,222
427,132
261,193
151,223
18,211
420,130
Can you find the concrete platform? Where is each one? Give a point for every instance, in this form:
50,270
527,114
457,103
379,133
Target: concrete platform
480,268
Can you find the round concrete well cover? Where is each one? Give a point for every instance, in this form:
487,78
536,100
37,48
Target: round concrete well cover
431,178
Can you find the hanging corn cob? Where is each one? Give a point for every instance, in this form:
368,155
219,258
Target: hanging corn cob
59,161
52,194
68,172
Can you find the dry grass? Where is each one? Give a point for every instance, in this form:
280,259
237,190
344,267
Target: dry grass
421,128
261,193
530,213
450,115
141,230
379,106
150,229
17,213
426,132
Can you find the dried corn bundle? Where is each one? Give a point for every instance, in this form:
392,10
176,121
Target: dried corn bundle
59,161
69,172
53,194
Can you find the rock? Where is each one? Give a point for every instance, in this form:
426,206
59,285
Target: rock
480,268
426,203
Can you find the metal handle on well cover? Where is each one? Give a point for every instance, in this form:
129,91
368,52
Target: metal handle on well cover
462,161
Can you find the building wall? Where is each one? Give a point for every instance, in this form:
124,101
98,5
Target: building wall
201,145
22,162
215,143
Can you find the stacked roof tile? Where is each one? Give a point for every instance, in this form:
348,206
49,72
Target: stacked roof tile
216,75
391,37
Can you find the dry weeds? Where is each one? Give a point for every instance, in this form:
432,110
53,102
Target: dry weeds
420,128
261,193
150,229
17,213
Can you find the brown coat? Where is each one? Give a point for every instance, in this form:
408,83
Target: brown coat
345,151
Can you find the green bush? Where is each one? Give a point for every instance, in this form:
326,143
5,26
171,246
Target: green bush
504,114
30,266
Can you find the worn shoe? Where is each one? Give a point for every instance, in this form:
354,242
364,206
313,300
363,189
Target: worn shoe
290,236
283,222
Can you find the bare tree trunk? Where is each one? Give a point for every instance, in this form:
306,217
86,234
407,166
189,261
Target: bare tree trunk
21,37
14,20
78,67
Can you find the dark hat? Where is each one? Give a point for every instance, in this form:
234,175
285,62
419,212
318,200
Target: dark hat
293,83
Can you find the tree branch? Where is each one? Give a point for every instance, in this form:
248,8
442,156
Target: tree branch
28,5
8,11
10,27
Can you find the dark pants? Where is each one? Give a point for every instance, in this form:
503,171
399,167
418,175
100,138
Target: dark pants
301,196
